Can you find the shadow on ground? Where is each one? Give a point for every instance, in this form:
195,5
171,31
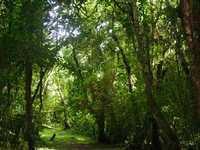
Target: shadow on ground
69,140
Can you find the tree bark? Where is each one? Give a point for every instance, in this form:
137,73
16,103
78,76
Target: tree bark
142,49
29,107
168,133
100,118
156,144
191,22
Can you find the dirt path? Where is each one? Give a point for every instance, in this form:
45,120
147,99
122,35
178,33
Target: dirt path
80,146
76,146
68,140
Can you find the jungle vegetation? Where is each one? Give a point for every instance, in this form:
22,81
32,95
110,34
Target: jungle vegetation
119,72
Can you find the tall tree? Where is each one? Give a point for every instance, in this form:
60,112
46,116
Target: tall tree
191,22
141,36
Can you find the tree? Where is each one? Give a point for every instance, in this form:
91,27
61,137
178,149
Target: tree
191,21
141,38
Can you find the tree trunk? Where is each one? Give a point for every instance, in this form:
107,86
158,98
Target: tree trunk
100,118
168,133
126,63
81,77
156,144
142,49
29,108
191,23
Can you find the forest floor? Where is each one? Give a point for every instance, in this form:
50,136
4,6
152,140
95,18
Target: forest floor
69,140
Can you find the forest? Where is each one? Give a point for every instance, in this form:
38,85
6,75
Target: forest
99,75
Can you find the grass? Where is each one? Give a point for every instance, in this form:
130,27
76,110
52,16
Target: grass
65,135
69,140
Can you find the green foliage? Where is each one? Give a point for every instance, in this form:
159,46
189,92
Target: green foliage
85,56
